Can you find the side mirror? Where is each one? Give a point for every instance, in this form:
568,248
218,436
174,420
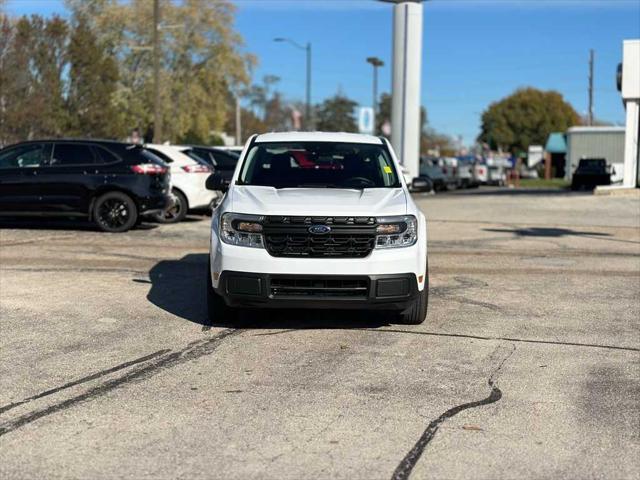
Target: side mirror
216,182
421,185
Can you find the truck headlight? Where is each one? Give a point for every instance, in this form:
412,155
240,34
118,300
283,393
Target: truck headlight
394,232
241,230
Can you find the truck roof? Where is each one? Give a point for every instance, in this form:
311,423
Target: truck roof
338,137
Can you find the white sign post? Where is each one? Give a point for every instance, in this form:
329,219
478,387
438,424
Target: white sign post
366,120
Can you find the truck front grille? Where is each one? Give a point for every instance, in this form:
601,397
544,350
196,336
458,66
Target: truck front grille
349,237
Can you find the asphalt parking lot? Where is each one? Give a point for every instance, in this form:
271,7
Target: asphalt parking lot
528,365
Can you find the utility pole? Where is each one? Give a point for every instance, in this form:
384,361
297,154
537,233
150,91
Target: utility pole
308,114
238,121
157,114
591,55
376,63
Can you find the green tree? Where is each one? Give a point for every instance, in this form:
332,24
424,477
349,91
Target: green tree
526,117
336,114
93,77
250,122
433,141
33,55
6,76
430,139
277,115
200,60
261,95
384,113
266,104
55,81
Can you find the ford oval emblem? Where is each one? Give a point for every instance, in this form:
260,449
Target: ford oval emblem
319,229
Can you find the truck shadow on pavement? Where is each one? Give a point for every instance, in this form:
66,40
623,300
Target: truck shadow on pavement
179,287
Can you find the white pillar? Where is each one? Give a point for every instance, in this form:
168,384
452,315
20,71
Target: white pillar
631,98
407,60
631,144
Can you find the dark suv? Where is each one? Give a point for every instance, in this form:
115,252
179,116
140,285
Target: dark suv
223,161
590,173
110,182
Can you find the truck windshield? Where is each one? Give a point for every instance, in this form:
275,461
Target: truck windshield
593,164
319,165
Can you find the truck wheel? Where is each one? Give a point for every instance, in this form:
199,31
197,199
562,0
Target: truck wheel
417,312
177,212
115,212
217,311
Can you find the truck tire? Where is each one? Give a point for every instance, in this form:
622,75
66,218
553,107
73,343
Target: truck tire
177,212
218,312
417,312
115,212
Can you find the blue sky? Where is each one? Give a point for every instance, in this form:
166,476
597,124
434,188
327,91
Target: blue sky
474,52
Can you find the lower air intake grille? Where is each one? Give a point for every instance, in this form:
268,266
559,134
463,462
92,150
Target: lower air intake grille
313,287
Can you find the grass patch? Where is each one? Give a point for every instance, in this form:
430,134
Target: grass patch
542,183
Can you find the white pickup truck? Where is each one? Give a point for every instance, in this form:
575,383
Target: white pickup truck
317,220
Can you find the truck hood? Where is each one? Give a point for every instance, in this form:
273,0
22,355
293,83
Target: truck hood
259,200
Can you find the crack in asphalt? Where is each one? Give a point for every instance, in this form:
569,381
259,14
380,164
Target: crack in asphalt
404,469
442,248
509,339
462,335
537,271
155,365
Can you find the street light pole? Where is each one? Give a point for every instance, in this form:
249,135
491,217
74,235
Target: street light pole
376,63
308,120
590,118
157,114
238,120
308,114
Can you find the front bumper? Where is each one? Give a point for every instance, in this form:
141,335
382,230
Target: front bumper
264,290
389,261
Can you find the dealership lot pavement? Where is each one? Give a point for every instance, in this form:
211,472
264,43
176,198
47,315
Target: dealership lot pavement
528,364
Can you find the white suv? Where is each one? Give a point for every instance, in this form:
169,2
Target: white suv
188,177
317,220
